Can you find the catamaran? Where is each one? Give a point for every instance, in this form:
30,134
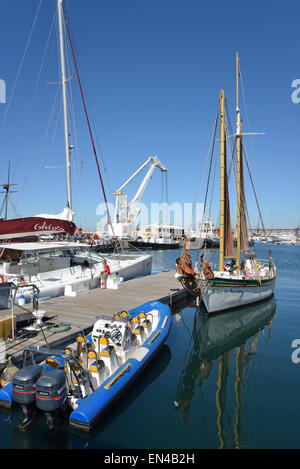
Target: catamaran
52,265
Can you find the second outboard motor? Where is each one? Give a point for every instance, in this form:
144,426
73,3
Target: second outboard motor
24,387
51,392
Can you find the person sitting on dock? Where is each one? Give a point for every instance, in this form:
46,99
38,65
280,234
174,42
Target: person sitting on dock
104,274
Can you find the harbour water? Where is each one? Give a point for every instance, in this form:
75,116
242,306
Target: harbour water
229,381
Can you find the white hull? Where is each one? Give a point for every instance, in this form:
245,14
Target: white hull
221,298
196,243
52,284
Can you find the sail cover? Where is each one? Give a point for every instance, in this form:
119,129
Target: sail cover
243,211
35,226
228,235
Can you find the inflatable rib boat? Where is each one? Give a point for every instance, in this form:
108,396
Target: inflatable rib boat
88,377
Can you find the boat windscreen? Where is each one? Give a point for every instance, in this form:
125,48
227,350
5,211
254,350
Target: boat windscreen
10,255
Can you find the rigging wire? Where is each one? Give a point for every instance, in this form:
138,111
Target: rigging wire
28,117
212,146
55,104
209,152
91,118
243,201
256,199
25,179
44,140
19,69
248,123
77,163
90,131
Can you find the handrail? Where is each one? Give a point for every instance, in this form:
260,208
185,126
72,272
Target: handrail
11,299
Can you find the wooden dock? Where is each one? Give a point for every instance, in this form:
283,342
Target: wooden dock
80,312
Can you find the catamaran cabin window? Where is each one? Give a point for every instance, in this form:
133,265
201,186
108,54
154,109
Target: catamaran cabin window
10,255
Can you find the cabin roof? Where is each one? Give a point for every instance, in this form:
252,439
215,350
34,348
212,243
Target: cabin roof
39,245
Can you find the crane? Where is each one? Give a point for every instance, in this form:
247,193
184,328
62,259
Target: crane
126,213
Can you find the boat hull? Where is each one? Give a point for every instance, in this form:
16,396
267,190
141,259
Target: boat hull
226,294
52,284
153,246
195,243
219,333
91,408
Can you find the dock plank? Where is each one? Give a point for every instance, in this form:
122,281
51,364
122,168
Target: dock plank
80,312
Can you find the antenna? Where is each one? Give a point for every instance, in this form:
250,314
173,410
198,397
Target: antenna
6,191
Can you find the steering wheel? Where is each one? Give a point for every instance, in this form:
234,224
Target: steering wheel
116,336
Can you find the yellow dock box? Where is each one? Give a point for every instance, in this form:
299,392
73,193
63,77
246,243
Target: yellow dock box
6,327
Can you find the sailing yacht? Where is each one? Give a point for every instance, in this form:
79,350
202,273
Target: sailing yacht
245,279
53,265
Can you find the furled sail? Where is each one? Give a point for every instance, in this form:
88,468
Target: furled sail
243,211
228,240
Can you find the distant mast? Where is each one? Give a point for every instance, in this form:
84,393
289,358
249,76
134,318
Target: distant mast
64,95
6,191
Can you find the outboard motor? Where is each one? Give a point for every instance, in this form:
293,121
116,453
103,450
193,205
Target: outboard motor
24,388
51,393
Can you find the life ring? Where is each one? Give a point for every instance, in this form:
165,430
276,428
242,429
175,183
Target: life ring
2,279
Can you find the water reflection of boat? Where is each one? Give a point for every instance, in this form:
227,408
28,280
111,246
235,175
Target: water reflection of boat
221,332
219,341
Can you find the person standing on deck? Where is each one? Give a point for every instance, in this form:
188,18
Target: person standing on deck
104,274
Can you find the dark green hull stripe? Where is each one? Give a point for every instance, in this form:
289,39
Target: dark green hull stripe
223,282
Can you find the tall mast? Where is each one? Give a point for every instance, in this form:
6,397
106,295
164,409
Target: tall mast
64,94
222,183
238,158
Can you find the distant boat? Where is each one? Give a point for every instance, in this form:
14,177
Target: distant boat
155,244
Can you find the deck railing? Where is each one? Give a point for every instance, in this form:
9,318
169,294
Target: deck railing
8,303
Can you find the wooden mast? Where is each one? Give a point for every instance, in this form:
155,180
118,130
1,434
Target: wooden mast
238,158
242,235
222,182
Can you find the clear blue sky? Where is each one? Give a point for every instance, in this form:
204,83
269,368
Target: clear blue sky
152,73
